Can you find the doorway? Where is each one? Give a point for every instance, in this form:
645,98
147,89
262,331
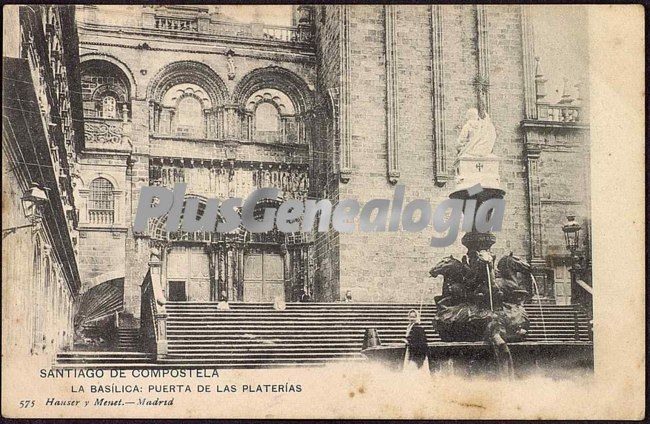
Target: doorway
263,277
562,284
188,265
176,291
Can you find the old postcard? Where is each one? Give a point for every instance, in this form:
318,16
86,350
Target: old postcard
323,211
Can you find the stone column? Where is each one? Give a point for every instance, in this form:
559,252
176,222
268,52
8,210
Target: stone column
240,273
230,122
212,271
537,261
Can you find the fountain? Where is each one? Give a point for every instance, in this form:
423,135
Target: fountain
481,308
477,306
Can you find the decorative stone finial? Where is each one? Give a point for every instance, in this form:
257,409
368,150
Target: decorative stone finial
579,87
540,81
566,96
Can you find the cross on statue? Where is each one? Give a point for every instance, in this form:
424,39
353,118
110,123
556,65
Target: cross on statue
479,166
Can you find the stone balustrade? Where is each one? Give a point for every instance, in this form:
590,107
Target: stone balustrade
558,113
571,108
176,24
181,20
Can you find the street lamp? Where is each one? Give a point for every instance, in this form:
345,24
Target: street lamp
571,231
32,202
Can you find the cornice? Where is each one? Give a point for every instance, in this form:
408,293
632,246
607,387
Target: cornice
535,123
291,53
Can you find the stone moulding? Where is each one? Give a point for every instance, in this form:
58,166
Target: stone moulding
442,174
392,88
345,171
483,77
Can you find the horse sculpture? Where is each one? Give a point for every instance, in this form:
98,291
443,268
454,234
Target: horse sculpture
460,316
478,305
453,287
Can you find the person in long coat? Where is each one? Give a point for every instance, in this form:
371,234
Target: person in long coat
416,341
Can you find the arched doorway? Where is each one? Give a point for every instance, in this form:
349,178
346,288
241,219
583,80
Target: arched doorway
235,266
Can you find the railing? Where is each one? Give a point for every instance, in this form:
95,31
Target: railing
586,287
292,130
558,113
582,294
101,216
176,24
197,22
153,317
287,34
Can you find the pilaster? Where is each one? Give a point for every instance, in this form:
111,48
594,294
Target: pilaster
344,99
442,174
392,106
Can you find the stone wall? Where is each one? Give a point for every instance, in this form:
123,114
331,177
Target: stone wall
394,266
325,270
37,301
101,257
560,181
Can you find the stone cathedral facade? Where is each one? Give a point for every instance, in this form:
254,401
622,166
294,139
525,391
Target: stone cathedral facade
346,103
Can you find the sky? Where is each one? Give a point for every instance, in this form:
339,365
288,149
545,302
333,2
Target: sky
274,15
562,44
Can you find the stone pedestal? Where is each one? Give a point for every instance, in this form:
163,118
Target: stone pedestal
470,171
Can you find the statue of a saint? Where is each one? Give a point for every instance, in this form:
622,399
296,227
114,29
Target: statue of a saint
477,137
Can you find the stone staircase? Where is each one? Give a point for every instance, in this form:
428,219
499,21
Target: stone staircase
128,339
89,359
254,335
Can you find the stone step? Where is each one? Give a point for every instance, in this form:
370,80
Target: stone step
334,332
328,324
271,346
225,362
304,334
312,305
198,365
339,311
269,354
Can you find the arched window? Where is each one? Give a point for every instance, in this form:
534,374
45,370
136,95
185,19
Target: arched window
189,120
105,90
101,202
270,117
109,107
266,118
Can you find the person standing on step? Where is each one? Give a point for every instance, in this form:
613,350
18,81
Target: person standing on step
304,296
348,296
416,341
223,305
